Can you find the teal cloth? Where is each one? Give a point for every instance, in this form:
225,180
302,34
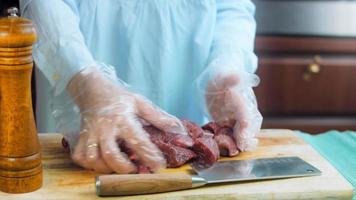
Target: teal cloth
339,148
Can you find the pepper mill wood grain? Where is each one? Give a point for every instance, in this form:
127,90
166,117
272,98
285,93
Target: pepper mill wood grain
20,159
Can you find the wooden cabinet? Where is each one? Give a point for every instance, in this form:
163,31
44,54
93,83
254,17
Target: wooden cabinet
307,83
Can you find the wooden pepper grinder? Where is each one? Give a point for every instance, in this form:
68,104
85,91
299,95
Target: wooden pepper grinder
20,159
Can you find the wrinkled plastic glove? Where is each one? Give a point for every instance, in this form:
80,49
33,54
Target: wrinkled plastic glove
110,112
230,101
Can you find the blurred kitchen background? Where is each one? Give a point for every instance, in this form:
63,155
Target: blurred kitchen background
307,63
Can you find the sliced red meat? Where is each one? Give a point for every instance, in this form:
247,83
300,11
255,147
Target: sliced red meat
227,146
212,127
224,138
226,142
179,140
173,146
155,133
193,129
175,156
176,139
207,150
202,145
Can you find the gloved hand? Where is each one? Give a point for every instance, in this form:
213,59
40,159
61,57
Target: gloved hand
230,100
110,112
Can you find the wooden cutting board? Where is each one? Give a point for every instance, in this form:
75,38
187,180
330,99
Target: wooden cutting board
64,180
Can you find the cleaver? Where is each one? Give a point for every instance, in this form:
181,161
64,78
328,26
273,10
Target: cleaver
220,172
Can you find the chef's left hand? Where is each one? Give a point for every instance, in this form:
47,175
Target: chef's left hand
230,101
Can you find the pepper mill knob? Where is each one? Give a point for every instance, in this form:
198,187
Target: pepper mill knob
13,11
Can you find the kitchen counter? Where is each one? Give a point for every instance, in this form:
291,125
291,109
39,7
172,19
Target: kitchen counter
64,180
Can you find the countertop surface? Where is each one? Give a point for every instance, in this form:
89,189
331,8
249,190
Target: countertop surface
64,180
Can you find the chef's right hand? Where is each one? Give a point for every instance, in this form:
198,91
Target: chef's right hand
109,112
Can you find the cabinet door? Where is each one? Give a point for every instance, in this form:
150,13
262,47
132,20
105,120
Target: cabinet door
307,85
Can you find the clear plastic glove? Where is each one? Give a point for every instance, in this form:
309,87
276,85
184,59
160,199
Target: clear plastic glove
110,112
230,100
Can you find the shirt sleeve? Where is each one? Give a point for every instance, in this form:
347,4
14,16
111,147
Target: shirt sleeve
235,33
60,51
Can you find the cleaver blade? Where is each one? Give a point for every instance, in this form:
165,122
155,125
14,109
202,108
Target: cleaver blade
221,172
254,169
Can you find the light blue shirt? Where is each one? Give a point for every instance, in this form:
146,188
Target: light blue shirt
158,47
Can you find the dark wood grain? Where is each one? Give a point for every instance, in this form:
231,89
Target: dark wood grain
289,96
284,91
284,44
311,124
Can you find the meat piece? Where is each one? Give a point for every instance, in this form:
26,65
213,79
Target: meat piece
193,129
155,133
175,156
227,146
226,142
202,146
215,127
179,140
207,150
224,138
173,146
212,127
172,138
207,146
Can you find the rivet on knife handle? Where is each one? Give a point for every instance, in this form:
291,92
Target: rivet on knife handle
133,184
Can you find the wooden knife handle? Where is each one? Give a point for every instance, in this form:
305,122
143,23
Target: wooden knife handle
132,184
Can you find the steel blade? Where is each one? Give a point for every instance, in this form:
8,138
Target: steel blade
257,169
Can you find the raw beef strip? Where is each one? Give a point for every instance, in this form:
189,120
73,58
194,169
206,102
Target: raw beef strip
202,145
207,150
224,139
226,145
172,138
179,140
193,129
226,142
215,127
155,133
212,127
173,146
175,156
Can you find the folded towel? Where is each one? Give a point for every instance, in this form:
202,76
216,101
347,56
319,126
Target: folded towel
339,148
